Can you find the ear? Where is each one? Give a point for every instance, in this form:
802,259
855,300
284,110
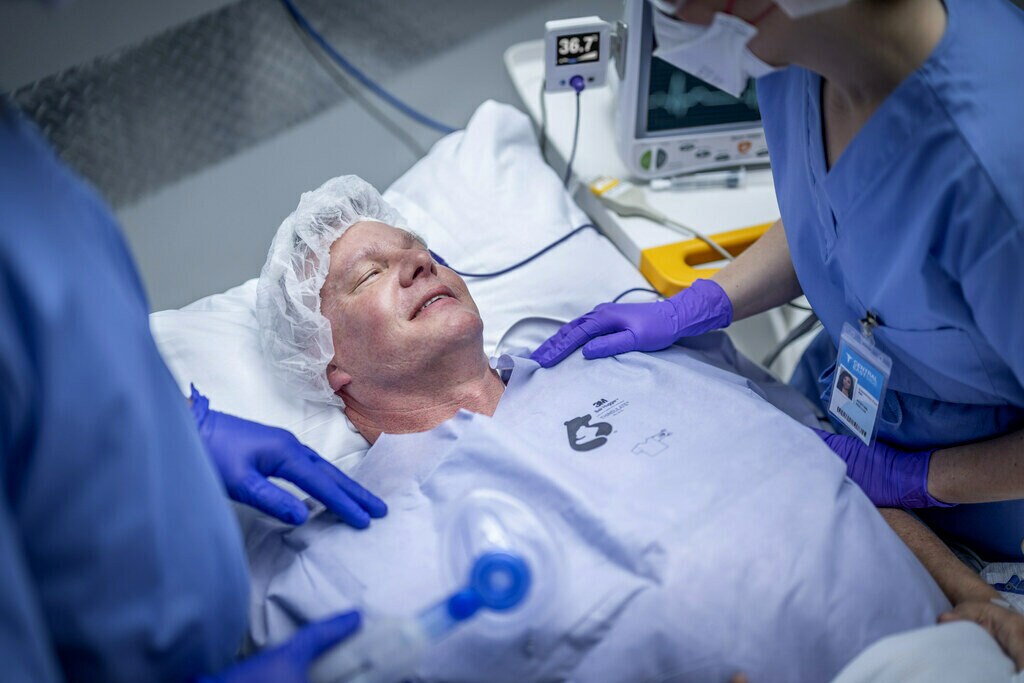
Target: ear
337,378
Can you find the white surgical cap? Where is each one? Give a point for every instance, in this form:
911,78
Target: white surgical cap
794,8
295,336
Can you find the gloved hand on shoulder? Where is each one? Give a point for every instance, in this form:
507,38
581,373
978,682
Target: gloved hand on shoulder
611,329
246,453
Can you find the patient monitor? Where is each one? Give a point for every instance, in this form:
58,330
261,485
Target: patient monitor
667,121
670,122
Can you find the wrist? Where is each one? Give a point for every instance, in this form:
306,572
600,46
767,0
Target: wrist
722,303
939,485
972,591
937,496
916,493
701,307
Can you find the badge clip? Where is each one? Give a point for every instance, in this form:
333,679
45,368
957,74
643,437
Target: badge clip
867,325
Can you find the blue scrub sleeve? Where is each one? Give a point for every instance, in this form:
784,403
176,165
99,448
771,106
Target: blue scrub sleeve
992,288
25,645
120,559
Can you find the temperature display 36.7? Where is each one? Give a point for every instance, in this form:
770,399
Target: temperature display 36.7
578,48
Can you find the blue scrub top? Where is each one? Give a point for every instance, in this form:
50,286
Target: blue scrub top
120,559
921,222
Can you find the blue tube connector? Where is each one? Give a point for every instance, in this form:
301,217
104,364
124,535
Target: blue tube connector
498,581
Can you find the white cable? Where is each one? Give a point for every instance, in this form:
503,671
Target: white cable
627,199
699,235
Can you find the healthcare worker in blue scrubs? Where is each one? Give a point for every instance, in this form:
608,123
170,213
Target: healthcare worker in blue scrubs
120,558
895,135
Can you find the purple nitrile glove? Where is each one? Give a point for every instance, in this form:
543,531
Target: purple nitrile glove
892,478
611,329
290,662
246,453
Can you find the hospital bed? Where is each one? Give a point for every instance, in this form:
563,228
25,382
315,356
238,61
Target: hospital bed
483,198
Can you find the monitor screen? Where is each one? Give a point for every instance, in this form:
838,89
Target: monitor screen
579,48
676,100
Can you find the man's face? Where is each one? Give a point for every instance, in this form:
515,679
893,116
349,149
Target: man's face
392,308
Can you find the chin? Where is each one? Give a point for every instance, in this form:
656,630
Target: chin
459,329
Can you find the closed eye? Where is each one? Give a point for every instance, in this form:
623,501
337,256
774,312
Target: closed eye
368,276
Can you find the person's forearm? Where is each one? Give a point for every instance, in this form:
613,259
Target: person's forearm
762,277
957,581
980,472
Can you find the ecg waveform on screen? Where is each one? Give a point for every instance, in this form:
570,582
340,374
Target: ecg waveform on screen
678,100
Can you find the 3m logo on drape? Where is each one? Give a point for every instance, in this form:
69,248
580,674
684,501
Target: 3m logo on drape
584,436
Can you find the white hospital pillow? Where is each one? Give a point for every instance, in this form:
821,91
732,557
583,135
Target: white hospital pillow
483,198
214,343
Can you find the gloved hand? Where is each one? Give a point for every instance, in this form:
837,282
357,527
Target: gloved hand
611,329
892,478
289,663
246,453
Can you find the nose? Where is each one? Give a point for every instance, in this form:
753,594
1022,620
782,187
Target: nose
416,264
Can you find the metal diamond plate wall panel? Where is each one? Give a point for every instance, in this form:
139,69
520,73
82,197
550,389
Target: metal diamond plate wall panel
143,117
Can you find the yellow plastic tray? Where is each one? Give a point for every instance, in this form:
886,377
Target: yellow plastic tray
672,267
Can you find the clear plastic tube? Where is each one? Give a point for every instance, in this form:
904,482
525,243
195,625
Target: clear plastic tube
730,179
388,649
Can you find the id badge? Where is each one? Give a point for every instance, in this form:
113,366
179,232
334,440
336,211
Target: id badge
862,374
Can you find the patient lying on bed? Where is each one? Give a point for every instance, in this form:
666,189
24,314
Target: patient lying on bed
700,530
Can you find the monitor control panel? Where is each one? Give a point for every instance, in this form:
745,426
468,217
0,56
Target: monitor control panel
657,158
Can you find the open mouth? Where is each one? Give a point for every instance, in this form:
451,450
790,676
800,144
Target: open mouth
432,300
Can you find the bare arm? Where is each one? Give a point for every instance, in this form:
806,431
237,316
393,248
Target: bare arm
762,277
979,472
970,595
957,581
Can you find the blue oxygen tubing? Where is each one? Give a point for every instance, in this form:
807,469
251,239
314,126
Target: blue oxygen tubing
578,85
520,264
353,71
532,257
